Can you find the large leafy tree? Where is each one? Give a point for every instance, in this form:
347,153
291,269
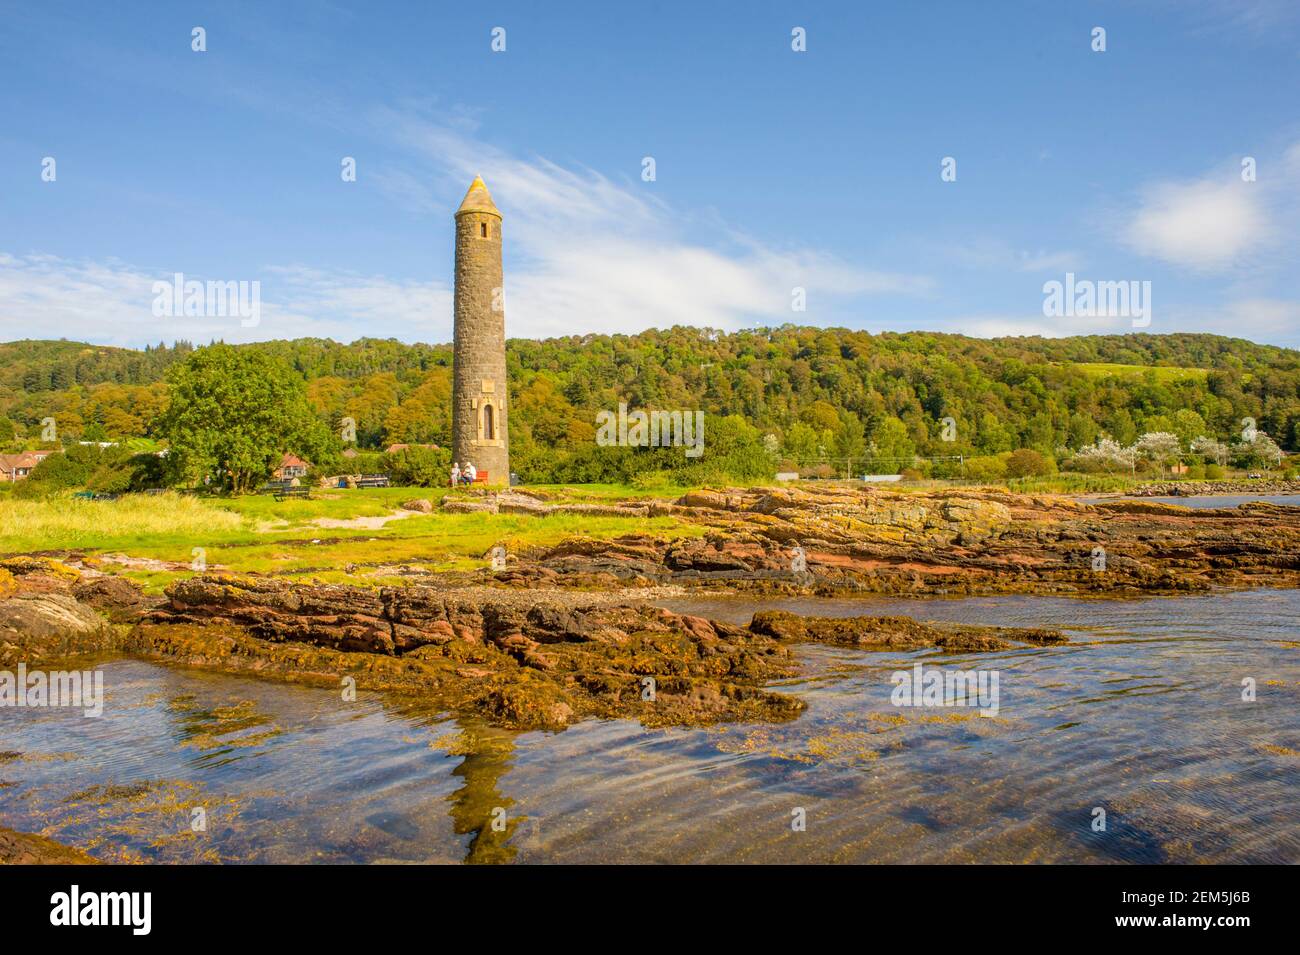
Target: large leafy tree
235,411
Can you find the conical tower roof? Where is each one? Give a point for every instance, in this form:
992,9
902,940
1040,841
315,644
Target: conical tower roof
478,199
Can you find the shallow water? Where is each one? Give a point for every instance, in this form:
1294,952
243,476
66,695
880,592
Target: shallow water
1141,715
1208,500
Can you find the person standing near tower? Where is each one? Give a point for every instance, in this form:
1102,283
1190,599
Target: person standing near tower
479,421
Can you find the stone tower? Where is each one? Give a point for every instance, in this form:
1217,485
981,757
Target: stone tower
479,423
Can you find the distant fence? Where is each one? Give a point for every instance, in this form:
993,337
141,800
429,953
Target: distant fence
858,466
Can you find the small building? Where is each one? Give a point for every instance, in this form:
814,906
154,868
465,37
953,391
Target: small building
291,466
16,467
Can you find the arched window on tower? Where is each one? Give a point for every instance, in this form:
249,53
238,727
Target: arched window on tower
489,424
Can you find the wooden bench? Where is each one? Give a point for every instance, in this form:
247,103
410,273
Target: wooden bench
373,480
283,489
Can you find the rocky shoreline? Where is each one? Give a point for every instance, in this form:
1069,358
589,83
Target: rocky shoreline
22,848
540,663
570,632
1198,488
975,541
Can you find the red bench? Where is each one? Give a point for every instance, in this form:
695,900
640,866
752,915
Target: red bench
480,478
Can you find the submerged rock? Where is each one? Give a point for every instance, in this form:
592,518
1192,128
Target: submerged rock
22,848
535,663
38,626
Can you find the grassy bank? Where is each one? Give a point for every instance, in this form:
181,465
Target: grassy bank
162,535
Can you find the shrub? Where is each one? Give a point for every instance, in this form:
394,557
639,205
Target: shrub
991,467
419,467
1029,463
110,470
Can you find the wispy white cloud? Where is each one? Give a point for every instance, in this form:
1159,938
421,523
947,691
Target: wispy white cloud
995,255
594,255
584,254
44,296
1275,20
1201,225
1221,221
1255,319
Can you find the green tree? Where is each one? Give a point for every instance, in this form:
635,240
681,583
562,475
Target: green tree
1188,425
891,446
1026,462
236,411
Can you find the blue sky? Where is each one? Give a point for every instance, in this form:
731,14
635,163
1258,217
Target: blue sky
775,169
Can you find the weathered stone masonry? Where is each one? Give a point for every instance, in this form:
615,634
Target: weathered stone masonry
480,431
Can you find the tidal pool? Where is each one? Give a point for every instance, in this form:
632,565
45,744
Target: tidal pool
1206,500
1141,716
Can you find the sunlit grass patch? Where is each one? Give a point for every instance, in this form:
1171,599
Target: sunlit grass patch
1162,373
336,503
440,540
606,493
68,522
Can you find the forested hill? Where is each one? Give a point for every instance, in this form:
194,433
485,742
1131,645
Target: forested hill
816,391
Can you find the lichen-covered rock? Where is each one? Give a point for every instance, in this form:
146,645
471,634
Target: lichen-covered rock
521,663
47,566
973,540
40,626
120,599
897,633
22,848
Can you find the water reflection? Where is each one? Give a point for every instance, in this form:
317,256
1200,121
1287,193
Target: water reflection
1141,714
478,808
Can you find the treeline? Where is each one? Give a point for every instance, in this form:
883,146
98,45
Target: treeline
800,395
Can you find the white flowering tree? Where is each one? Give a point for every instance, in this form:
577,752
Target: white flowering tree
1210,449
1108,453
1158,446
1260,449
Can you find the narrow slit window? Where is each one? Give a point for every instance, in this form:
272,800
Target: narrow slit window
489,426
483,229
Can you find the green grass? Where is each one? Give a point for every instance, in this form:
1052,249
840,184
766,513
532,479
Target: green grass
439,542
1076,483
259,534
1070,483
334,503
68,523
1162,373
606,493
